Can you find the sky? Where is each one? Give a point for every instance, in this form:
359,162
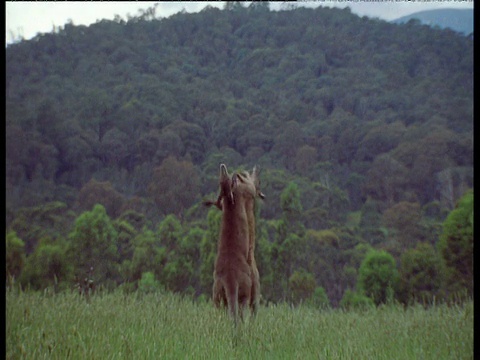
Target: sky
24,19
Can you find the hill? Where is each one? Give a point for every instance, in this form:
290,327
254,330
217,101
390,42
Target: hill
455,19
363,129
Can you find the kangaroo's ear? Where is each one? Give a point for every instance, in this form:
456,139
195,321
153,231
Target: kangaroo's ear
256,176
255,171
234,182
238,177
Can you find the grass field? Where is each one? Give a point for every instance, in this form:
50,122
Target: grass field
166,326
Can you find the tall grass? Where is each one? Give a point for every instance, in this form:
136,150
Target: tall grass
167,326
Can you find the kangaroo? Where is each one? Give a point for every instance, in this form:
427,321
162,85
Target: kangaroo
251,183
232,274
238,193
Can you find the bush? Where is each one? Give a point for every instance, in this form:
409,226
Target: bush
354,300
93,243
319,298
14,254
147,283
420,275
302,286
456,246
378,276
47,266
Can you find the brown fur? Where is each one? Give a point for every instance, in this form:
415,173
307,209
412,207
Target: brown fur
226,185
248,186
232,275
237,200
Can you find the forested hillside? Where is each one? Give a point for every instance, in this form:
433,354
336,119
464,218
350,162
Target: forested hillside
362,130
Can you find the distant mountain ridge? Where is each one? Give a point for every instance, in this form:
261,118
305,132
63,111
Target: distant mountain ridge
460,20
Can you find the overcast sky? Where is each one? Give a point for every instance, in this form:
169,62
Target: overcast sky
26,19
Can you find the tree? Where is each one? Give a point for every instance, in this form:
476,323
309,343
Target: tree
190,250
289,235
302,286
292,208
332,198
386,179
147,283
100,192
327,149
370,222
169,232
452,183
378,276
263,257
380,139
322,253
52,219
348,139
76,159
404,220
181,254
192,137
48,265
174,186
14,255
126,233
148,256
154,147
319,298
93,243
259,6
355,300
48,119
208,249
116,147
16,153
97,112
420,274
287,142
456,246
305,159
232,5
284,257
183,263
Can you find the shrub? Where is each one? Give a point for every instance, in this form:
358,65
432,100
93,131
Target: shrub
378,276
147,283
302,286
456,246
354,300
319,298
14,254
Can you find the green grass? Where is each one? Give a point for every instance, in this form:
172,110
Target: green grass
166,326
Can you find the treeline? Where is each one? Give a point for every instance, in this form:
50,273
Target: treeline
362,129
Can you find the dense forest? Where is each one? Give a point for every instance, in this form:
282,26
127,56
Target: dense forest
362,129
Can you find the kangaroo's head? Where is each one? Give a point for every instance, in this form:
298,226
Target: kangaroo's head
226,186
247,183
225,196
238,184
